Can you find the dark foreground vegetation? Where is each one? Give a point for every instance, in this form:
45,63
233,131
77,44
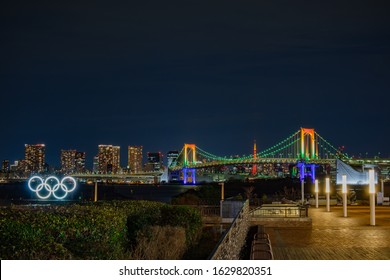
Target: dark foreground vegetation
104,230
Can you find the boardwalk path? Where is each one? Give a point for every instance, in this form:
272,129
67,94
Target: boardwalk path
334,237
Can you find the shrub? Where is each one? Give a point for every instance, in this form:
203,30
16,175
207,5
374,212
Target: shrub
104,230
160,243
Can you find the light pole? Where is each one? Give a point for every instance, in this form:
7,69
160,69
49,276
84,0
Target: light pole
222,190
222,198
371,180
96,192
316,191
344,190
327,190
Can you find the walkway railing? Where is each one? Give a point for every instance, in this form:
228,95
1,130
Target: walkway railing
229,246
280,211
209,210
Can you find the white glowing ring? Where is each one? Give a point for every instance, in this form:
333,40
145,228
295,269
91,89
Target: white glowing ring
52,190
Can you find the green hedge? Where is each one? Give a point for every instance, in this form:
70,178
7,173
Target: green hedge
104,230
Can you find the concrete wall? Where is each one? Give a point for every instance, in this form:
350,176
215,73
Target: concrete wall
230,245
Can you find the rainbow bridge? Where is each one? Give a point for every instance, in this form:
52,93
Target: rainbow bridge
301,152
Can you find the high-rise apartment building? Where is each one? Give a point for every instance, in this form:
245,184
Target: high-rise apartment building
172,157
35,157
72,161
95,168
80,162
135,159
68,164
5,166
20,166
155,161
109,159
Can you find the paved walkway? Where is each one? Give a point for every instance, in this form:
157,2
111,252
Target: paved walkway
333,237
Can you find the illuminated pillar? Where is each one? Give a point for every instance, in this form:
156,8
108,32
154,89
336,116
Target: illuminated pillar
312,153
96,192
344,191
313,147
222,197
222,190
371,180
302,166
189,153
327,190
302,143
192,173
193,176
316,192
185,176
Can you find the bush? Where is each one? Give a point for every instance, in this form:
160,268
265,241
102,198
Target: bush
104,230
165,215
160,243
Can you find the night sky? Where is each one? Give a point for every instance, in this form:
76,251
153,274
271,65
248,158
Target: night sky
215,73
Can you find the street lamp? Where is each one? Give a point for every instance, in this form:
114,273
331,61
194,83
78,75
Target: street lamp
344,191
95,192
327,190
222,184
371,180
316,191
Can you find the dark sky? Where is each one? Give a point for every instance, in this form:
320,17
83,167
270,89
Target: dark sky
214,73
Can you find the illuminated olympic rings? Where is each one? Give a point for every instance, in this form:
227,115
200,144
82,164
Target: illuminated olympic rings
52,186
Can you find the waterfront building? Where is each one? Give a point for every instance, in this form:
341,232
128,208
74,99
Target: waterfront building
135,159
34,157
95,168
68,164
72,161
172,157
173,176
108,159
154,162
5,166
21,166
80,162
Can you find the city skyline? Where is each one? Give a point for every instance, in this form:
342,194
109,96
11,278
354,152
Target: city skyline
75,160
79,160
218,74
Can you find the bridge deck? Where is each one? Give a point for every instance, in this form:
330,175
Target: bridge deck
333,237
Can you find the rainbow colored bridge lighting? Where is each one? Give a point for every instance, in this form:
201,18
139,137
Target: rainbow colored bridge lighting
303,172
308,134
189,154
186,178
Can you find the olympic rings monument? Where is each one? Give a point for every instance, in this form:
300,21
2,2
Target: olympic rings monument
52,186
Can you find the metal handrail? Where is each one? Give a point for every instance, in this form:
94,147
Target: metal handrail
280,212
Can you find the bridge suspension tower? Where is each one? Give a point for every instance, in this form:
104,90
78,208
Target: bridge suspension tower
189,174
309,145
308,150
